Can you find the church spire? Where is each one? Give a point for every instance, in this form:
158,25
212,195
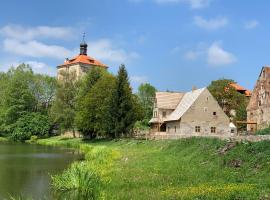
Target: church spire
83,46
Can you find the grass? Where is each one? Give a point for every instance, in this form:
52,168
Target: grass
176,169
2,139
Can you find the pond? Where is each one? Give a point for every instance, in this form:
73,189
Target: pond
25,169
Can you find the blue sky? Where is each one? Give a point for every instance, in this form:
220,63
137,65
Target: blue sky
172,44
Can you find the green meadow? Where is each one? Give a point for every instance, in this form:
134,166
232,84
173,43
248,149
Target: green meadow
195,168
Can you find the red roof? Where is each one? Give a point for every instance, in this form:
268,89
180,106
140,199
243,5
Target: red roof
241,89
85,60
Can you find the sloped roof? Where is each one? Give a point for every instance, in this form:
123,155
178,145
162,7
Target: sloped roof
186,102
239,88
168,100
83,59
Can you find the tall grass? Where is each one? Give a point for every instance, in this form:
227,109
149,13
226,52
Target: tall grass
190,168
87,179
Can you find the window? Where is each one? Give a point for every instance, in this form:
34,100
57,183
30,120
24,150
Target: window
232,130
164,114
155,114
168,129
175,129
205,109
197,129
214,113
213,129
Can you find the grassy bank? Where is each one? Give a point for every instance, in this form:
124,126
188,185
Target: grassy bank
182,169
2,139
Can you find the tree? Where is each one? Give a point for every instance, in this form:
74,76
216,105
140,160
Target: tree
228,98
18,97
92,117
146,94
122,107
63,108
30,124
44,89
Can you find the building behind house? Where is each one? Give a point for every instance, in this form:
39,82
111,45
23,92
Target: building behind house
192,113
80,64
241,89
258,109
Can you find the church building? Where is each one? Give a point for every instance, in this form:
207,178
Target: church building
80,64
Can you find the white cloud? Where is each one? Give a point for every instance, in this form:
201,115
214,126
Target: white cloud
37,67
35,49
251,24
210,24
194,4
191,55
217,56
104,49
41,68
138,79
29,33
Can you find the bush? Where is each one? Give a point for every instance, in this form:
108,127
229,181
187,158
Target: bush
30,124
265,131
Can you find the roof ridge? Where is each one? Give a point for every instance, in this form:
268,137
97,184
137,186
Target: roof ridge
186,102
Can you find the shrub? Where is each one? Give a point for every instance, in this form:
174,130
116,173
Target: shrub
265,131
30,124
33,139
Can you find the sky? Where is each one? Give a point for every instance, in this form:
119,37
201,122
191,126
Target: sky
172,44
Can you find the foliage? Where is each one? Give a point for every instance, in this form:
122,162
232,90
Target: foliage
87,179
92,116
30,124
265,131
146,94
194,167
22,93
228,98
123,114
63,108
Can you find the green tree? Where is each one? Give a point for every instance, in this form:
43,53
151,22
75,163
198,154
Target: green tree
146,94
123,112
44,89
230,99
62,111
92,117
30,124
18,96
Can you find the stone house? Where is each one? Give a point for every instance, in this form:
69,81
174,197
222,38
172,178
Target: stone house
258,109
192,113
80,64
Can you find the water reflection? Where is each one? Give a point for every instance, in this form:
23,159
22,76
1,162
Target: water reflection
25,169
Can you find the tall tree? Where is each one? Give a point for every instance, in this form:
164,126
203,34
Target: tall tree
92,116
63,108
146,94
123,114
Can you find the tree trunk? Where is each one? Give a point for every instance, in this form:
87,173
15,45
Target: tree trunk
73,131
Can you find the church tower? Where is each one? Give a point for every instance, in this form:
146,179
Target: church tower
80,64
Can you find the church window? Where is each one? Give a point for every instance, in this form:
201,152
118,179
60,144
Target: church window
197,129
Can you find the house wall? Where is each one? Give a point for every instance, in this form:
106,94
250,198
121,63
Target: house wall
258,109
201,114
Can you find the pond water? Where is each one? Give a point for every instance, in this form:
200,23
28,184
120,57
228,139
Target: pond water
25,169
